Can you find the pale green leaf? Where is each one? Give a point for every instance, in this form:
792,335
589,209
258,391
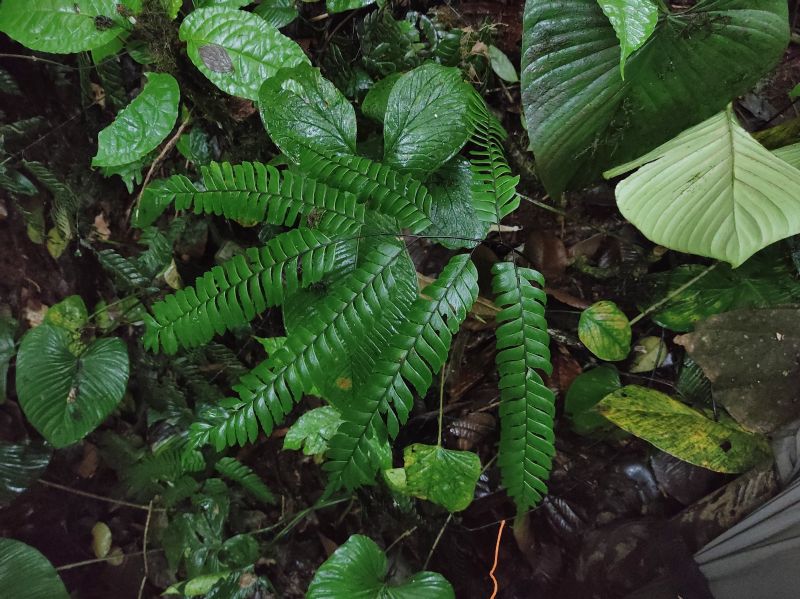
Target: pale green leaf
583,118
313,430
65,396
789,154
20,466
142,125
683,432
61,26
278,13
359,570
444,476
70,314
237,50
604,329
501,65
649,353
426,121
334,6
300,107
26,574
634,22
712,191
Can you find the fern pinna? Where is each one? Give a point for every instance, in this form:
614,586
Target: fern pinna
358,330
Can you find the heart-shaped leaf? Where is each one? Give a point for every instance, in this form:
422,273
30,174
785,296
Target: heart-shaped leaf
61,26
713,191
65,396
358,570
455,221
237,50
24,572
604,329
583,118
142,125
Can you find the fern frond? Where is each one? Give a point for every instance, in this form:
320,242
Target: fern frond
268,392
255,192
387,191
527,406
8,85
125,271
234,470
414,355
233,294
494,189
145,477
110,72
22,128
65,203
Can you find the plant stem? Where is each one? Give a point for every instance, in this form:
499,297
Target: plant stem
672,294
98,560
119,502
436,541
442,378
144,548
664,7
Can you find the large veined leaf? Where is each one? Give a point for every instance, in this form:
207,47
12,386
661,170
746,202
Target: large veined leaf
299,106
682,431
237,50
142,125
20,465
455,221
8,327
343,5
359,570
713,191
426,121
790,154
583,118
26,573
277,12
66,392
634,22
61,26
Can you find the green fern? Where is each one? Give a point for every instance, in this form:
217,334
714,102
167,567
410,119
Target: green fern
124,270
268,392
234,470
387,191
255,192
65,203
527,406
147,476
494,190
414,355
233,294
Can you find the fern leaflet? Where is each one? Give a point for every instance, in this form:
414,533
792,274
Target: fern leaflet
236,471
233,294
414,354
269,391
527,406
255,192
388,191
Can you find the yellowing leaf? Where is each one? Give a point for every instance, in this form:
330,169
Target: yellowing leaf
605,331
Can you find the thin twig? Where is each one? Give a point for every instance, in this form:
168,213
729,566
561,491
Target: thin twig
144,548
98,560
407,533
672,294
436,542
442,378
496,556
119,502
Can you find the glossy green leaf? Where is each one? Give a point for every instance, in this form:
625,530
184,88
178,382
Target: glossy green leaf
359,570
713,191
377,98
765,280
66,396
585,393
300,107
426,121
334,6
313,430
605,331
455,221
443,476
683,432
633,21
789,154
8,329
142,125
61,26
27,574
20,466
195,146
237,50
795,93
277,13
501,65
583,118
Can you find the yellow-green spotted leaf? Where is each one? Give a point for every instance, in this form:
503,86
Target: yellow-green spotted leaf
682,431
444,476
605,331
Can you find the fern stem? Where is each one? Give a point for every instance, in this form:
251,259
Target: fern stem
436,541
442,378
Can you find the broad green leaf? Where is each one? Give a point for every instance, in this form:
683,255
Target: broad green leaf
795,93
633,21
225,3
583,118
358,570
377,98
649,353
501,65
712,191
277,13
334,6
426,121
70,314
65,396
237,50
108,49
20,466
790,154
313,430
195,146
8,329
585,393
300,107
683,432
444,476
604,329
27,574
171,7
764,280
142,125
455,222
61,26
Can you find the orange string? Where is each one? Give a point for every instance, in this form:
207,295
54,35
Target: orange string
496,556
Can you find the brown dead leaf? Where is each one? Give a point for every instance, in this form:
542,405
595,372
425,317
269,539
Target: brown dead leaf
547,254
101,227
